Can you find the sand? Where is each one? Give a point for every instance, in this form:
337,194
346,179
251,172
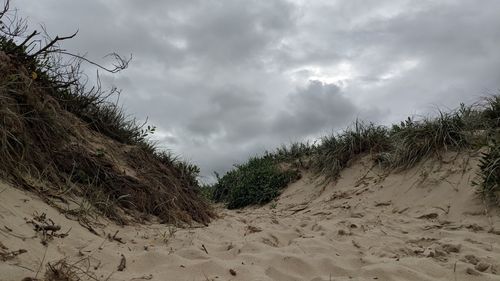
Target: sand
423,224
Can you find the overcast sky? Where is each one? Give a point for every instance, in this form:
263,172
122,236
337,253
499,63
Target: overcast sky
224,80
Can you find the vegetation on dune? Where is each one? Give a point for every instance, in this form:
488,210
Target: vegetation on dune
490,171
258,181
398,147
60,137
413,141
490,162
336,151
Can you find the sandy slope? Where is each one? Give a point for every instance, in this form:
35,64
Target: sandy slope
423,224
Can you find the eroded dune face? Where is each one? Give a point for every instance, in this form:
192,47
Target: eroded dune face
423,224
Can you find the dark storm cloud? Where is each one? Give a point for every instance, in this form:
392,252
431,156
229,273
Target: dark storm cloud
241,107
314,108
224,80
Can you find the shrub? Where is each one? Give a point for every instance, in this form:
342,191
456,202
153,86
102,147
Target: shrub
258,181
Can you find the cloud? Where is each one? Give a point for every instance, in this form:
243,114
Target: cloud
223,80
313,109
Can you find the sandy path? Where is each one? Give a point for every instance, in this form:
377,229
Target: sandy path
424,224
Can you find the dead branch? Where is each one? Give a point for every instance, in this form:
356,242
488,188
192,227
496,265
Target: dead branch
5,9
46,227
35,33
122,63
51,43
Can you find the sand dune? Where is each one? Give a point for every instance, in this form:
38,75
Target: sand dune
423,224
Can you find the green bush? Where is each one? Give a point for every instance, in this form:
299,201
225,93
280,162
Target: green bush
258,181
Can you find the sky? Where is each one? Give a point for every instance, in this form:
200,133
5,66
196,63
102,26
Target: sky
223,80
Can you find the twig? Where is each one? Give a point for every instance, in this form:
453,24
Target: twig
35,33
10,255
114,237
51,43
121,65
43,259
123,263
455,270
204,248
145,277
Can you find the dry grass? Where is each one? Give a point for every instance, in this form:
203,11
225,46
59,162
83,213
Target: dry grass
61,140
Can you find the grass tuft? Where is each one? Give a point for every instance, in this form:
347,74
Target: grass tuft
336,151
414,141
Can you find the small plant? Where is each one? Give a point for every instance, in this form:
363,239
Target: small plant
169,234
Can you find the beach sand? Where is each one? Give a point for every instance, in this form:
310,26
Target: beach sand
426,223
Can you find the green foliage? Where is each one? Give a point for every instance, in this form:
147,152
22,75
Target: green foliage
490,170
207,191
258,181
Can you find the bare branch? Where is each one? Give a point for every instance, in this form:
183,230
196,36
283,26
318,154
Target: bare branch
5,8
121,64
35,33
51,43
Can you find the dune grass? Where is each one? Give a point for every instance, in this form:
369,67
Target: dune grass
489,165
414,141
398,147
336,151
